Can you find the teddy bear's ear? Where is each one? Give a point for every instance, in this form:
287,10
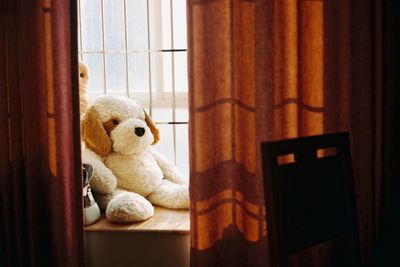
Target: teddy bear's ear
153,128
93,133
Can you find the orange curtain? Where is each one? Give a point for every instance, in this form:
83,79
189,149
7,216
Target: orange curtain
268,70
41,222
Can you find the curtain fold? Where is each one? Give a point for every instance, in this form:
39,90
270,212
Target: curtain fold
40,169
227,211
269,70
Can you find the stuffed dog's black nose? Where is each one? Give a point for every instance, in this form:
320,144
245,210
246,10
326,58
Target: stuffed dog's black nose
139,131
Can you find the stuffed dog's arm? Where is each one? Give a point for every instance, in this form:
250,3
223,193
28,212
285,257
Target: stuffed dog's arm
170,171
103,181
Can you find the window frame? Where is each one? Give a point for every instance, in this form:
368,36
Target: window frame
154,96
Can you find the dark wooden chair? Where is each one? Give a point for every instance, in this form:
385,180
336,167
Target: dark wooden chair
309,195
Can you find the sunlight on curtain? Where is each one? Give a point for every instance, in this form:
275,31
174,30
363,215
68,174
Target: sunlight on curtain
226,102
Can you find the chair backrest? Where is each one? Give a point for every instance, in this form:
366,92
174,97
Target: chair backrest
309,196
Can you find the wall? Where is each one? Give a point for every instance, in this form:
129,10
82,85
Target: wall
142,249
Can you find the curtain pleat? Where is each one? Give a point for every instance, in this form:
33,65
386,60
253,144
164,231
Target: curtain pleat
41,204
227,211
269,70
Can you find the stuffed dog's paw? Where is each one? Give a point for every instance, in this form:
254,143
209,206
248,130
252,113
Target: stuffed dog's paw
171,195
129,207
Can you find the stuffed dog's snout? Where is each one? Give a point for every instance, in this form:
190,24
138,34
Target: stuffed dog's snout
131,136
140,131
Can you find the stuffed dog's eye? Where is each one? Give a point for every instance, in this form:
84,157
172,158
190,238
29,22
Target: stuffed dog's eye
111,125
82,75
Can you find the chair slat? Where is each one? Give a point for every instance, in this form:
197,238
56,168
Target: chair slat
310,199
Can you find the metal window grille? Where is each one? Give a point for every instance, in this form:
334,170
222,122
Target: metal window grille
137,48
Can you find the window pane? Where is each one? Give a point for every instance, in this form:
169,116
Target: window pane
162,114
182,148
161,79
137,24
182,114
139,72
167,71
161,71
91,25
165,26
166,144
179,14
155,37
160,24
96,77
181,75
79,28
116,73
114,24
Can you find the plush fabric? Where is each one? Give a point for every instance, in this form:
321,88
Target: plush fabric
129,174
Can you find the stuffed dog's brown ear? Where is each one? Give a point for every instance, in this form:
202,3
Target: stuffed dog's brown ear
93,133
153,128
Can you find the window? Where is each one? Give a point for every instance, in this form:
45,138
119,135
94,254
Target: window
138,48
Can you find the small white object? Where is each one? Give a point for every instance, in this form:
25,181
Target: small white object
91,209
92,214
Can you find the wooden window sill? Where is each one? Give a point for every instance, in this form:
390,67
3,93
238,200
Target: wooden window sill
163,221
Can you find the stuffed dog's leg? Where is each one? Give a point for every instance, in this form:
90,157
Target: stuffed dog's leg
126,207
170,195
170,171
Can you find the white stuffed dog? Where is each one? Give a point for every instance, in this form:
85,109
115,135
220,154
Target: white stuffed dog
129,174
